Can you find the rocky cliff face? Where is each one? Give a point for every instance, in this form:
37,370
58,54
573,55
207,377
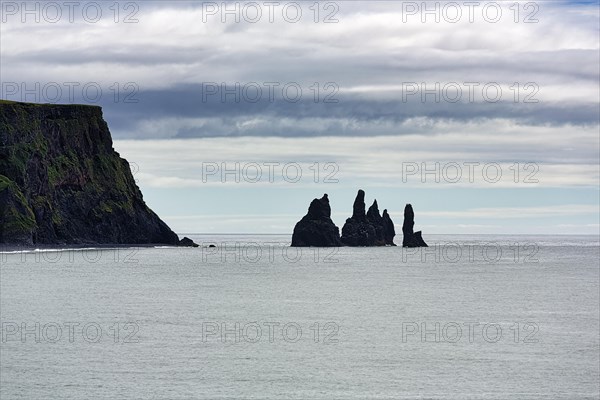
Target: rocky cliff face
367,229
411,239
61,182
316,228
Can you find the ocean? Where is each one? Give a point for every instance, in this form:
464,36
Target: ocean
470,317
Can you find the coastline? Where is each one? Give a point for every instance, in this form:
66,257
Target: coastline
12,249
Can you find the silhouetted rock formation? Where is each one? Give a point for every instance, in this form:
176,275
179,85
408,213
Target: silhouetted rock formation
411,239
358,208
316,229
357,231
388,229
61,181
376,220
362,229
367,229
187,242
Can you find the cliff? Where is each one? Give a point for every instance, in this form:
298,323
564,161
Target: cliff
316,228
61,181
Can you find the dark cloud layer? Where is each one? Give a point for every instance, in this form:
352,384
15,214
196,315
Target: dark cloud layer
351,115
368,55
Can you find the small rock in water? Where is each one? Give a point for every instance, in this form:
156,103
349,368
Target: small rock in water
187,242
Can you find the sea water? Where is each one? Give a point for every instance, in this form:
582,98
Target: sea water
481,317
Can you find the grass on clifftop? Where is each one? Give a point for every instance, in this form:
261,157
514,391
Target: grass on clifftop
10,102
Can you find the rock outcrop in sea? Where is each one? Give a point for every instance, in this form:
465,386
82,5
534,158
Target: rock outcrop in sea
388,229
316,229
370,228
411,239
61,181
187,242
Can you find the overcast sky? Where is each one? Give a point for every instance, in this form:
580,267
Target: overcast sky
370,96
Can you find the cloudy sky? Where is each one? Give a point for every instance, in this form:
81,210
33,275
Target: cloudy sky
235,115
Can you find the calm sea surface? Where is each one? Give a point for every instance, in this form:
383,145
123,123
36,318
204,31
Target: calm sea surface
481,317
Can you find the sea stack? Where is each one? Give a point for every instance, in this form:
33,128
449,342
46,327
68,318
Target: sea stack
388,229
376,220
357,231
367,229
316,229
61,181
411,239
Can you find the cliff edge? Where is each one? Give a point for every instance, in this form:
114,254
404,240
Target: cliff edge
61,181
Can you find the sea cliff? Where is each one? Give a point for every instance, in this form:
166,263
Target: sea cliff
61,181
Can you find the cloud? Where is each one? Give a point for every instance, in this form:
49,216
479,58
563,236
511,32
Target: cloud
374,50
379,65
525,157
184,114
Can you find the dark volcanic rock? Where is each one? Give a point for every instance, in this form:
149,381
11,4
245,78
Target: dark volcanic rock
16,218
367,229
316,228
411,239
373,214
187,242
61,181
388,229
358,231
376,220
358,209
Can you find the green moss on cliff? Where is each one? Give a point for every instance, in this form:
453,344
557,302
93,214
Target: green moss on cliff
63,166
18,222
4,182
59,165
16,217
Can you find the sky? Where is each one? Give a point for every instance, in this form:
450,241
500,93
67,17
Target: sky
485,116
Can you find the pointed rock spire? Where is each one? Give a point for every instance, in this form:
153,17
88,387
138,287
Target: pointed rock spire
358,212
366,229
316,228
320,208
411,238
373,213
388,229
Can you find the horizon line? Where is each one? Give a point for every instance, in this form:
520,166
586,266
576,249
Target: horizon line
429,234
